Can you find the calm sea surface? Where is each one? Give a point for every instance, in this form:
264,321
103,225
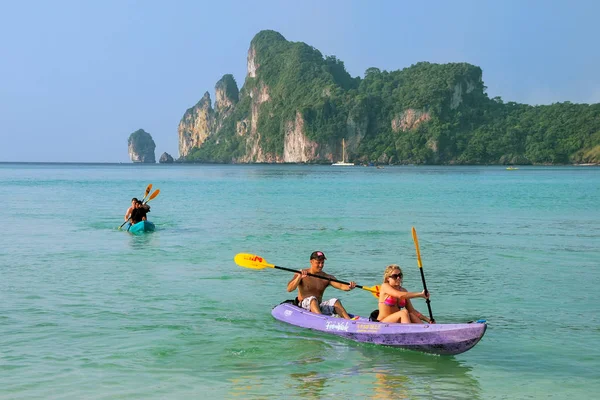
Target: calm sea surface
88,311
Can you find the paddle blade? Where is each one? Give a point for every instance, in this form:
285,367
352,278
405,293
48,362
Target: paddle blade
416,240
251,261
153,195
375,290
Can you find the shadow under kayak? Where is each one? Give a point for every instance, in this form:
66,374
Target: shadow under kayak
429,338
142,226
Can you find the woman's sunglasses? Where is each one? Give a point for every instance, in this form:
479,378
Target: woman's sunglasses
396,276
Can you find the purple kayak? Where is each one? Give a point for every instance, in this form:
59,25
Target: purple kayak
429,338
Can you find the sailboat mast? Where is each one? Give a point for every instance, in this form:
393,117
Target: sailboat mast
343,161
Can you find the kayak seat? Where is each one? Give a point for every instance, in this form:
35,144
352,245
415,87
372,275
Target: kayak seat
294,302
374,315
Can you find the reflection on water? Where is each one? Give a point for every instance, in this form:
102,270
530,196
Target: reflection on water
142,240
390,386
308,385
398,373
316,368
381,373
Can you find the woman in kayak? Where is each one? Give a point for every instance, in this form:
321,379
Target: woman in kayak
394,300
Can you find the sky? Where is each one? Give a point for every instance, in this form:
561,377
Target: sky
78,77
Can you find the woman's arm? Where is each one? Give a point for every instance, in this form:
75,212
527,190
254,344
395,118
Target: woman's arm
399,294
413,311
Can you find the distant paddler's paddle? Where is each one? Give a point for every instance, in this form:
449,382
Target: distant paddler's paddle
416,240
257,262
153,196
148,189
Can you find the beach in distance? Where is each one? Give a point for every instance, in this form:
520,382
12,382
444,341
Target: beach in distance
91,311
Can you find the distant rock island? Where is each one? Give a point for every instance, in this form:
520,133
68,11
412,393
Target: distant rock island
165,158
297,105
141,147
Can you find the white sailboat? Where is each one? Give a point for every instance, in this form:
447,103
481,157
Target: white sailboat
343,162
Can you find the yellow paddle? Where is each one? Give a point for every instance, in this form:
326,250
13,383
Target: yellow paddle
375,291
253,261
416,240
153,195
148,188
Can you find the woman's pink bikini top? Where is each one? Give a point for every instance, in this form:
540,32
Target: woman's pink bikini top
392,301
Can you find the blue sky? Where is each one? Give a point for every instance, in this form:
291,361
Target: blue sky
77,77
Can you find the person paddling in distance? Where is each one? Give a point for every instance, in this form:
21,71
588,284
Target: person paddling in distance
394,300
139,213
311,289
130,209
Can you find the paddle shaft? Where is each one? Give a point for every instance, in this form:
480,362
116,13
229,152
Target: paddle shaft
426,300
416,240
317,276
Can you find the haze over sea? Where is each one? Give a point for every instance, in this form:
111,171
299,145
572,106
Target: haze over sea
88,311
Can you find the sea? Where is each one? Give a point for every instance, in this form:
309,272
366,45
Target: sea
88,311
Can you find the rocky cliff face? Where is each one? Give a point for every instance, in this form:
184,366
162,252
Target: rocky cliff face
297,148
254,151
227,95
409,119
251,62
460,89
141,147
197,123
201,121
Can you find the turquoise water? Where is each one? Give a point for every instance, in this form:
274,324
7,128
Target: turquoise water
88,311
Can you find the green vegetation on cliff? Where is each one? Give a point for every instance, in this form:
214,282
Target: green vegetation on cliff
229,86
300,79
426,113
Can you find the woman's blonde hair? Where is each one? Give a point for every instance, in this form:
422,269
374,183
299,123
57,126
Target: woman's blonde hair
389,270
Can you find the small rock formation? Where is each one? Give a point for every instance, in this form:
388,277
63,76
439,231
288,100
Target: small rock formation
165,158
141,147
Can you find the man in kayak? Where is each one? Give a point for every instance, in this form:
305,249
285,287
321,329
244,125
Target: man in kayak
130,209
311,289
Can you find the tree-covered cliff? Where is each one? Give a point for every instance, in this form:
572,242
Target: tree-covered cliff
296,106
